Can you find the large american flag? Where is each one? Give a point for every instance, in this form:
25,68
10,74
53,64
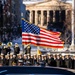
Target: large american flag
32,34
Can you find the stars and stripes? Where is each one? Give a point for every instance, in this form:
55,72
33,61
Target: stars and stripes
38,36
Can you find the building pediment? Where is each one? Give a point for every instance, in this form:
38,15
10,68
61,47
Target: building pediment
48,3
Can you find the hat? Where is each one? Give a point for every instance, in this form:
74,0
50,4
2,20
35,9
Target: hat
16,45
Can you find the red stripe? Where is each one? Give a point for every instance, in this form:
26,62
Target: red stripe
43,45
40,40
50,32
38,36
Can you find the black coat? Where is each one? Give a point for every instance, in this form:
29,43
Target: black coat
68,63
73,64
4,51
0,50
16,50
49,61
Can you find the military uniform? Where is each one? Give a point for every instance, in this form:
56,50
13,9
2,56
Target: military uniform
63,62
16,49
35,60
59,60
68,62
73,62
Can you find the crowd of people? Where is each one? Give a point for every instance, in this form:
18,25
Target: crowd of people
26,59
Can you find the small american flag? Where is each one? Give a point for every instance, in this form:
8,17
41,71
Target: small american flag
38,36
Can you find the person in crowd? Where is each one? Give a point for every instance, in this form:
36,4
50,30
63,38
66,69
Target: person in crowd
32,60
0,50
63,62
24,59
13,64
14,59
49,60
68,61
53,62
35,59
39,59
16,49
58,61
73,62
20,58
43,60
28,62
11,57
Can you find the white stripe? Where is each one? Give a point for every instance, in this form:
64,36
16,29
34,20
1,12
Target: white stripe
45,43
42,36
50,32
44,39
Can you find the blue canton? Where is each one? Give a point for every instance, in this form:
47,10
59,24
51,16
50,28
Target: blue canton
30,28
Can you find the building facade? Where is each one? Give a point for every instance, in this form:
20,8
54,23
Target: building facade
52,15
49,10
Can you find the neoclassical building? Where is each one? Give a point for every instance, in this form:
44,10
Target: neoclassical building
48,11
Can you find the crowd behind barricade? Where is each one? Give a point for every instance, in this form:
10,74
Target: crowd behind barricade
26,59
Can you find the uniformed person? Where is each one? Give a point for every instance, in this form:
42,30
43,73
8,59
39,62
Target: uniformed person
20,58
24,59
39,60
1,60
32,60
16,49
49,60
11,56
0,50
28,49
53,62
14,59
43,60
68,62
73,62
4,50
63,61
35,59
29,59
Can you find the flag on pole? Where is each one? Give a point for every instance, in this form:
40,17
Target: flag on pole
39,52
38,36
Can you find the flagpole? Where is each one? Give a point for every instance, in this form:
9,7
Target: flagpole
73,21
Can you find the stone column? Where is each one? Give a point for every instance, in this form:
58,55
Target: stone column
53,15
36,17
48,17
31,16
42,18
66,14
